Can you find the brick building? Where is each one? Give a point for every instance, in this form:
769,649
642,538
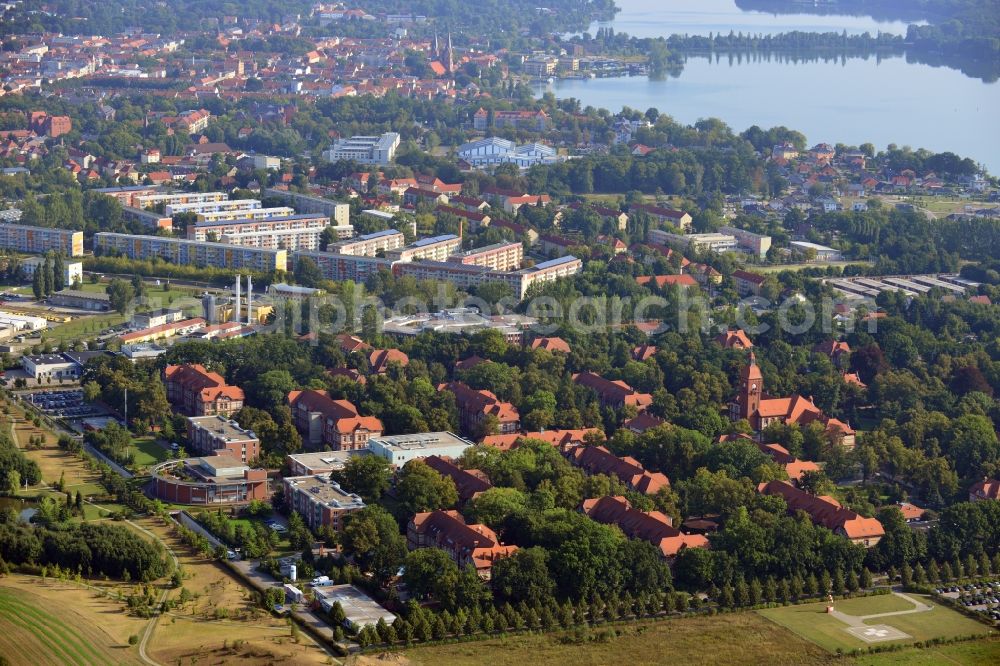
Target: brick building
198,392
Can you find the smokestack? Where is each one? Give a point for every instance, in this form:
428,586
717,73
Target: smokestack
249,299
236,303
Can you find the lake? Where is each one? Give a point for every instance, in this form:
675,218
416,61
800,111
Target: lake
660,18
859,100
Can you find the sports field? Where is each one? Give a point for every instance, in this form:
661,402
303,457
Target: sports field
858,630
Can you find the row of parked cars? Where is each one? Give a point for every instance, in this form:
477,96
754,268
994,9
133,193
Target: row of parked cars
67,403
981,597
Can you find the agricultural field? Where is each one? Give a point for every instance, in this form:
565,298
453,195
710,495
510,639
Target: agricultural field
738,638
52,622
812,622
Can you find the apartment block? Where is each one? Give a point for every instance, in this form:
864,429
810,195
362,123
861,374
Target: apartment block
39,240
436,248
149,200
200,230
212,435
130,195
199,207
504,256
369,245
192,253
336,266
338,211
246,214
292,240
147,218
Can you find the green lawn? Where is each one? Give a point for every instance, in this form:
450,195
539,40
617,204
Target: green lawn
148,452
811,621
986,651
87,326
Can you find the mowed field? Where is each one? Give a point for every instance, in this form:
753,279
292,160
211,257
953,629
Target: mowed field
737,638
61,623
971,653
810,621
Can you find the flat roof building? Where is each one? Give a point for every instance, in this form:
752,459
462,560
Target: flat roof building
338,211
378,150
192,253
320,500
210,480
218,435
400,449
360,610
369,245
39,240
321,462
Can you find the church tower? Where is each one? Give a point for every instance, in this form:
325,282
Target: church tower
750,391
451,57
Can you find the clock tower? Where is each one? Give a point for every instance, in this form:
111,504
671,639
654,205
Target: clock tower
750,391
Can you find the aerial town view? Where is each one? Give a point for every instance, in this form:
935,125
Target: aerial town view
440,332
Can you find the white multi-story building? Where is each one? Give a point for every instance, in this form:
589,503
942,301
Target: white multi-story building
72,270
749,242
287,239
338,211
400,449
149,200
369,245
377,150
436,248
504,256
246,214
711,242
200,207
200,231
491,151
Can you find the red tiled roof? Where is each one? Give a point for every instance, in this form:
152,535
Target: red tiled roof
551,345
557,438
662,280
824,511
643,352
449,530
985,489
613,391
652,526
343,413
380,359
468,482
599,460
734,339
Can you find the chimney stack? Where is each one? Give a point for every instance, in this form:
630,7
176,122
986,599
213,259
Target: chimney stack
249,299
236,303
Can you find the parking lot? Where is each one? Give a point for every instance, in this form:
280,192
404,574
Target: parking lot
68,404
980,597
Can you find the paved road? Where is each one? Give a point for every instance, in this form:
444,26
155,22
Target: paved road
860,620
